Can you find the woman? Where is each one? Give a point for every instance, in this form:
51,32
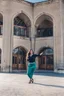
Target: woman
31,65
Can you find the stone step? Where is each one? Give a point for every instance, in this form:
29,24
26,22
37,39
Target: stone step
36,71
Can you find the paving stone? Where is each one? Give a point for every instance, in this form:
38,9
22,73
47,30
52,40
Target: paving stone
44,85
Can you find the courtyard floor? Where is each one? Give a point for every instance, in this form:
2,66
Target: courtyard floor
45,84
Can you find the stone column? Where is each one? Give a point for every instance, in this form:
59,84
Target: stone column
7,43
34,39
63,27
58,45
62,31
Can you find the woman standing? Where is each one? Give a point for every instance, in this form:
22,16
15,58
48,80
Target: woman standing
31,65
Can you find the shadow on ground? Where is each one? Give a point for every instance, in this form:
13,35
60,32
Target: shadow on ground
52,74
57,86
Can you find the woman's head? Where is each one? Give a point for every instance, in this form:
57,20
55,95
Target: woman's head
31,52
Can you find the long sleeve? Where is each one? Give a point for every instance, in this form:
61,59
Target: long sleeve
36,55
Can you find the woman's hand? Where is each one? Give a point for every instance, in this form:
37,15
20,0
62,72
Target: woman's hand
41,53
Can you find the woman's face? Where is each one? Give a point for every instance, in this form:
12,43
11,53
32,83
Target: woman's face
31,52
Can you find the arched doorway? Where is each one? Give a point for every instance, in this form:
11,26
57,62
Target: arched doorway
22,25
19,59
46,61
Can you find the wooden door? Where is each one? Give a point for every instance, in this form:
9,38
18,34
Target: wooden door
18,62
46,62
15,62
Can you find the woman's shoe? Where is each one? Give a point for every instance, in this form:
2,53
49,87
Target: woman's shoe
32,80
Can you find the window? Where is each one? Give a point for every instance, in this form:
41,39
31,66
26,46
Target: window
45,28
45,32
20,28
48,52
20,31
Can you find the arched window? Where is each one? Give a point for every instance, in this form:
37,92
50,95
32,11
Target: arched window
22,25
44,26
48,51
45,29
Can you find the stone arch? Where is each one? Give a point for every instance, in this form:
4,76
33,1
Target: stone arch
42,48
25,16
22,25
19,58
44,26
42,14
20,12
22,47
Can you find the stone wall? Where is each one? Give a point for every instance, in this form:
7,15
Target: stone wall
10,9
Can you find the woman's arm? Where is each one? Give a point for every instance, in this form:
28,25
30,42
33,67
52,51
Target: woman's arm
36,55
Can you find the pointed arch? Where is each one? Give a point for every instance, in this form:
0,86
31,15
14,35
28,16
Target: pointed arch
46,61
22,25
19,58
44,26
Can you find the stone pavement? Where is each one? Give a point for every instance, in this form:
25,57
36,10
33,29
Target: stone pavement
45,84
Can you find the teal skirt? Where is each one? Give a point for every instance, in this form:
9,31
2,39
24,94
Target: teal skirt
31,69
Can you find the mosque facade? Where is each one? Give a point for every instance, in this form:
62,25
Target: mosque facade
38,26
